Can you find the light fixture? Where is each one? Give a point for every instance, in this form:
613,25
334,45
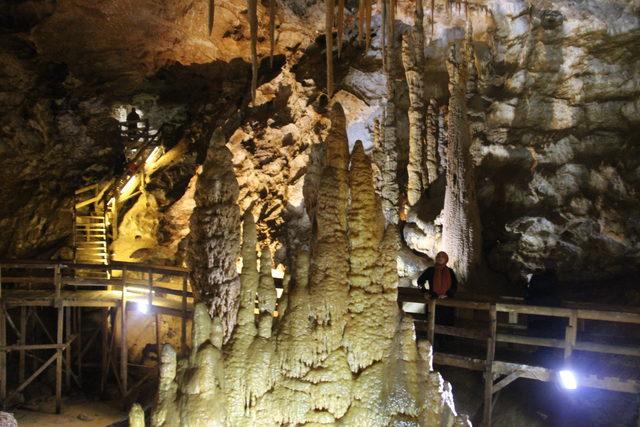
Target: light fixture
130,185
155,154
143,307
568,379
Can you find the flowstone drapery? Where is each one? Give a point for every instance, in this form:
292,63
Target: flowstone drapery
341,353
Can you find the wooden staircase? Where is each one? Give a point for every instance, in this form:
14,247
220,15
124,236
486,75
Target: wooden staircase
91,239
90,231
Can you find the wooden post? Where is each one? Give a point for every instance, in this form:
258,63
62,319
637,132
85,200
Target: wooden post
123,334
57,280
570,335
488,370
79,346
3,355
150,296
59,354
22,341
183,336
158,340
431,325
67,350
105,348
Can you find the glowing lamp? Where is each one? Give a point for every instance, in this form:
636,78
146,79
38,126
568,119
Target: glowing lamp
142,307
568,379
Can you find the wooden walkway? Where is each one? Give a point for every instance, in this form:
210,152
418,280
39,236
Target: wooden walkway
503,322
28,286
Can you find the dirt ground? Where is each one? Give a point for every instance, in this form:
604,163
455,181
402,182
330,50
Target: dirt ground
75,413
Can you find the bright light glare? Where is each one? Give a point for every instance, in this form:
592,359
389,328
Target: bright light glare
130,185
568,379
143,307
155,154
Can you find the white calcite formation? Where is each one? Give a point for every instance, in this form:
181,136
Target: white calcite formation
341,353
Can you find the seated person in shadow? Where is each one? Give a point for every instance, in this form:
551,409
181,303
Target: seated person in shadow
132,123
442,284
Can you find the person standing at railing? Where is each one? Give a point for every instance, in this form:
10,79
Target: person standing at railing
442,284
442,280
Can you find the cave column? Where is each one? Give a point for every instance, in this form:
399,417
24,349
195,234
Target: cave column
461,222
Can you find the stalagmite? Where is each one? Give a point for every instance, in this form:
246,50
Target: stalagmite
461,219
212,10
266,287
413,60
272,30
328,32
245,330
253,24
166,412
136,416
329,266
214,240
340,25
342,353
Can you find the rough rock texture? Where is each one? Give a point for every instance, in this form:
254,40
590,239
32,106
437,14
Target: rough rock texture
461,219
377,376
214,244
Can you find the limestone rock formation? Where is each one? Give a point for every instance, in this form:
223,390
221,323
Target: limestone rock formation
413,61
214,244
342,353
461,219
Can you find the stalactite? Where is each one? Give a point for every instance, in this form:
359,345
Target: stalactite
461,223
328,32
367,13
383,28
433,15
272,30
340,25
413,60
442,138
430,151
253,24
392,20
361,9
212,9
214,243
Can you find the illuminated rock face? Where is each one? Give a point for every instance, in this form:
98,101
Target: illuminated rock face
215,229
342,353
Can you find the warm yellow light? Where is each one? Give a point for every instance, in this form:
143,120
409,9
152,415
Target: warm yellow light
130,185
155,154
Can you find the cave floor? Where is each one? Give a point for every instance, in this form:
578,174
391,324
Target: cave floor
76,412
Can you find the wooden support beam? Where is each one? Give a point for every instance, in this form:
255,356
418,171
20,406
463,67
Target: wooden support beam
183,332
33,376
67,350
506,381
488,372
3,355
123,335
570,335
431,323
533,341
475,334
60,327
79,347
22,340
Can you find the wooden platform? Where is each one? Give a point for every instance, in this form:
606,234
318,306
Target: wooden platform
28,286
509,314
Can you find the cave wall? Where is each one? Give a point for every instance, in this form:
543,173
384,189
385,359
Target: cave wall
552,104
